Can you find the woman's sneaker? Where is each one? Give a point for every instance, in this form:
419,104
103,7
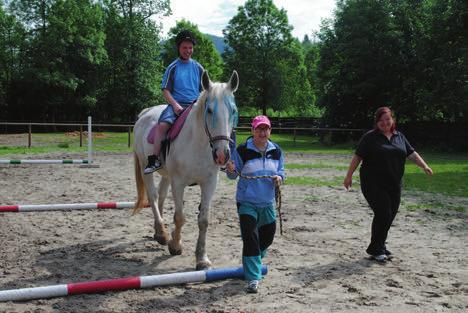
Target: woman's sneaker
381,258
252,286
154,164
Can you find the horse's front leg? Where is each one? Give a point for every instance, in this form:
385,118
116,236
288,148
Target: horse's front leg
207,191
175,244
160,232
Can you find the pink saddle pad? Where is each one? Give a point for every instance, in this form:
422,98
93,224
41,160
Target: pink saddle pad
175,128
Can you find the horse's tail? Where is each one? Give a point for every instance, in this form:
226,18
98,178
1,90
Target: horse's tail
140,185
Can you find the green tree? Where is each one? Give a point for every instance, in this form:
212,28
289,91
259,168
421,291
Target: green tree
409,55
311,60
133,74
359,58
77,29
62,60
12,45
442,93
32,13
269,60
204,52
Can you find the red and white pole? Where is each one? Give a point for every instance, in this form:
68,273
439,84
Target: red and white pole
66,206
122,284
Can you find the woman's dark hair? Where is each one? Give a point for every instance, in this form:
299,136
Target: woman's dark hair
381,111
185,35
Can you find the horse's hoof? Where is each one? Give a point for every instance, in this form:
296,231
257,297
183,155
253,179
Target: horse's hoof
162,240
174,251
203,265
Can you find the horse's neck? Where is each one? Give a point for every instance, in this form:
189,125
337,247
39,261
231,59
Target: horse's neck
193,131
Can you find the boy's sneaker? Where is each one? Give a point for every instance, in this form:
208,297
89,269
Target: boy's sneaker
252,286
154,164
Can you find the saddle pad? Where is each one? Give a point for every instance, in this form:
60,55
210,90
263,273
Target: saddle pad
175,128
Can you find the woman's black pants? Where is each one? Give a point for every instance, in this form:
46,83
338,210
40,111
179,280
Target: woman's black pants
384,202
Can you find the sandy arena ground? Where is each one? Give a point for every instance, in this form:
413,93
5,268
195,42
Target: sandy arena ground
318,265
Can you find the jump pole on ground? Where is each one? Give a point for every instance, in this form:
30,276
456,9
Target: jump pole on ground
138,282
67,206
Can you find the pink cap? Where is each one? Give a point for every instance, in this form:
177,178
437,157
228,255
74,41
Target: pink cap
260,120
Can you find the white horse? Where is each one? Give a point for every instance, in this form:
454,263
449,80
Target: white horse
194,157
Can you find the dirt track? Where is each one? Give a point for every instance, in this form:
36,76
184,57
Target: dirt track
318,265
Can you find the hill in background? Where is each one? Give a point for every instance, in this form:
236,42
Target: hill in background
218,42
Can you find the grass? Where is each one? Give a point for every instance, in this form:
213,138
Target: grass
320,165
451,170
314,182
61,142
303,144
450,175
433,205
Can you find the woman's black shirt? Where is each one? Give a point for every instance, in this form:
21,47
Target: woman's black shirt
383,160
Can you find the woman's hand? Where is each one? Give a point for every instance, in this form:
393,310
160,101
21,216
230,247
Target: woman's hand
428,170
230,167
348,181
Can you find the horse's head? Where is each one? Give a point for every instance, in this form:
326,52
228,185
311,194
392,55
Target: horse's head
220,115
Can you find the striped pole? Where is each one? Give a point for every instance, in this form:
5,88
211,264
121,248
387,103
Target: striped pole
67,206
138,282
44,161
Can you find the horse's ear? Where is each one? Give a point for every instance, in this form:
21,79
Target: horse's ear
206,82
233,82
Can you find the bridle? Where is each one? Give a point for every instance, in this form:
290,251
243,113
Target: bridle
213,139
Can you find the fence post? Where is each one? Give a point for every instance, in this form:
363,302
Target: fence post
81,136
29,136
129,134
294,138
90,142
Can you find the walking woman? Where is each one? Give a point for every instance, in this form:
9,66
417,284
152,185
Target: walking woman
383,152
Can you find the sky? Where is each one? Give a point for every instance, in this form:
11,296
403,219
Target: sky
212,16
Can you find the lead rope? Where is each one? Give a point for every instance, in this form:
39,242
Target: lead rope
277,194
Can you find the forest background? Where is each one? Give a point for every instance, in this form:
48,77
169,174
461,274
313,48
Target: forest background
62,60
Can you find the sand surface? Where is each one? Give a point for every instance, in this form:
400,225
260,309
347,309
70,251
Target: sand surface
318,265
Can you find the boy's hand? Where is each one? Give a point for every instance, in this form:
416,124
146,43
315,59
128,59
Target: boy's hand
178,109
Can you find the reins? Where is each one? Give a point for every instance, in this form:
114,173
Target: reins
277,194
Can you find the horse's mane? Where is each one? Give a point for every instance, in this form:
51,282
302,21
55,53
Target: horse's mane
201,103
215,89
144,111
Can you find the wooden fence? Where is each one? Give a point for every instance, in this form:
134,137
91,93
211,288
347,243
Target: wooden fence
277,125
